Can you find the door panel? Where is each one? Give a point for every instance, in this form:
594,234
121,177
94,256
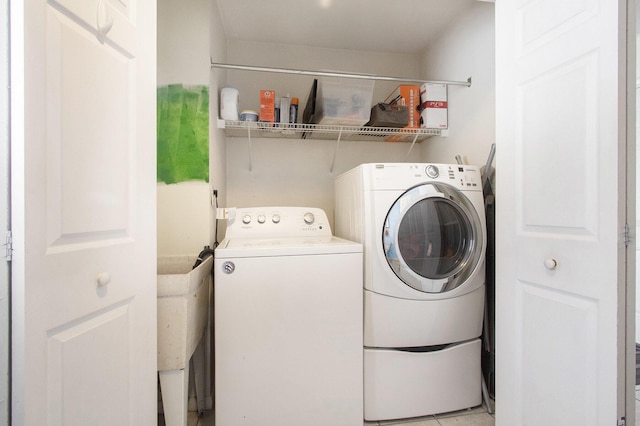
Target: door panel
544,21
570,361
83,211
74,351
88,118
567,204
113,21
561,127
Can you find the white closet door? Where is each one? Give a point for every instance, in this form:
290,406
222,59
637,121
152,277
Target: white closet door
561,146
83,212
4,217
637,336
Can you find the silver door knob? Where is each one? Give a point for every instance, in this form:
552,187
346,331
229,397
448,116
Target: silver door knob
550,263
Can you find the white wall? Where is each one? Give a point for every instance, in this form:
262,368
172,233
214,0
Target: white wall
297,172
466,50
217,140
184,212
183,42
310,58
294,171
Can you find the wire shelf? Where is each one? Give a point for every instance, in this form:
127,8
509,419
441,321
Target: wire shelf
324,132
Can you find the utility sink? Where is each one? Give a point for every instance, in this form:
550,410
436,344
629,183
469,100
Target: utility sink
183,307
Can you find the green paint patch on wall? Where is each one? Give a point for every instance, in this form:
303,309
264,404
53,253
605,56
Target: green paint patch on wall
183,133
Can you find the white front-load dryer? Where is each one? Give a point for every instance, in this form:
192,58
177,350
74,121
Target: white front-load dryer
422,227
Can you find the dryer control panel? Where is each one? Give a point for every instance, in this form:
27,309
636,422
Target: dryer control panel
405,175
465,177
280,222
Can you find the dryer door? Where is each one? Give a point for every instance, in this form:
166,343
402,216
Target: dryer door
432,238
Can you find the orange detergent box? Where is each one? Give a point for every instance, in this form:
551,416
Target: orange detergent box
409,96
267,105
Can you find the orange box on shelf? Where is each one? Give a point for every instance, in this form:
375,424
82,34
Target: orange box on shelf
267,106
409,96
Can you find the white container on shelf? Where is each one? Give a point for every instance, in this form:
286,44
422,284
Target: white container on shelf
229,103
344,101
434,113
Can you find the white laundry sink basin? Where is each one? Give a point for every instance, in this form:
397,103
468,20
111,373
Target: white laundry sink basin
183,299
183,310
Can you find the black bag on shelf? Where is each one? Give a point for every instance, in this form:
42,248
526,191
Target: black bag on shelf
388,115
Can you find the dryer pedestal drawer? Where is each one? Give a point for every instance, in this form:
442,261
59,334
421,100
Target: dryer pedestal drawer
391,322
400,384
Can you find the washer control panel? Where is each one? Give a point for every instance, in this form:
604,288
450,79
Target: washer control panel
278,222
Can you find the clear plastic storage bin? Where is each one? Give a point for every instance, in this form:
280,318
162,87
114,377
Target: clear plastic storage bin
344,101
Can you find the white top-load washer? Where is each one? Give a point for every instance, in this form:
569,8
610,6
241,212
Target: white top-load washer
288,321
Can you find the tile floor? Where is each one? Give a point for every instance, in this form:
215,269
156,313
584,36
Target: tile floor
477,416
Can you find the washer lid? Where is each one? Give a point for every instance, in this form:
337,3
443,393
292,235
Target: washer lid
432,238
293,246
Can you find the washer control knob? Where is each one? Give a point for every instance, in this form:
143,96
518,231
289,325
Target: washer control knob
309,218
261,218
246,219
275,218
432,171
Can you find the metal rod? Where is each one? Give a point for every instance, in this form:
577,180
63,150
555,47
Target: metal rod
338,74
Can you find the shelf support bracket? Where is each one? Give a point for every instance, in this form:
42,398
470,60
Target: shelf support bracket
415,138
335,151
249,142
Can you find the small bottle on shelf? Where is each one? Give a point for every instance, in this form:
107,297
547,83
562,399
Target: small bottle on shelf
293,111
276,112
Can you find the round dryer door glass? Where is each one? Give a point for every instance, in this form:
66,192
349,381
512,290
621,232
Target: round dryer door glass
432,239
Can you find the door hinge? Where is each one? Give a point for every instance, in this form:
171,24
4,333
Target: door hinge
8,245
627,236
622,421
